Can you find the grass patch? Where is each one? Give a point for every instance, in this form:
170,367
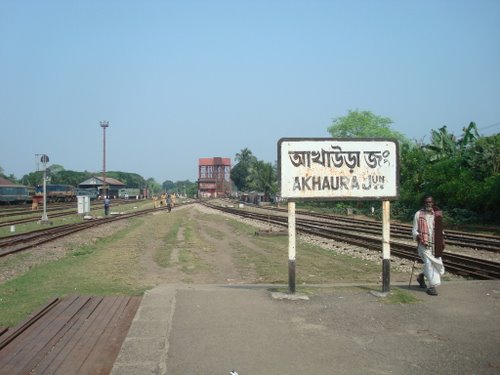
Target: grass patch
269,266
400,296
162,255
98,269
189,261
241,228
314,264
73,217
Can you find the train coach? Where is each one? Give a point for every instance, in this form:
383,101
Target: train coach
58,192
88,192
13,194
126,193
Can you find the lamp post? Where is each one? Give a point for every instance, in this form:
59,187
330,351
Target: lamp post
44,159
104,125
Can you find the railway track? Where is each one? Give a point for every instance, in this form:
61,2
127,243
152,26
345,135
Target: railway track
452,237
359,235
19,242
348,233
58,211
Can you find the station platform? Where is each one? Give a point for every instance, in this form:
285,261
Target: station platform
341,329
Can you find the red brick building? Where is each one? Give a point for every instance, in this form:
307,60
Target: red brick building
214,177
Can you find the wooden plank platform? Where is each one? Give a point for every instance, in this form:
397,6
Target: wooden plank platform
75,335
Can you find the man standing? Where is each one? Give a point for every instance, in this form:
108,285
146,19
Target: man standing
169,202
428,232
106,205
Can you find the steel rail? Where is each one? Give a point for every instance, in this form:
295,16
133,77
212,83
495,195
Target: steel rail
452,237
457,264
20,242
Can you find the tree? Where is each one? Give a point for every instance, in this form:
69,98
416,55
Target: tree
56,168
132,180
240,171
186,187
153,186
245,156
487,155
69,177
364,124
262,177
32,178
168,185
445,145
413,163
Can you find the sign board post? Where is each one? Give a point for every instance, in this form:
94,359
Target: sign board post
386,246
291,247
338,169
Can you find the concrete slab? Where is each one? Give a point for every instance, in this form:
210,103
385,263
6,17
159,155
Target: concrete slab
342,329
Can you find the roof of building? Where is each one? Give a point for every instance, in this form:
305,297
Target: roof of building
97,180
4,181
214,161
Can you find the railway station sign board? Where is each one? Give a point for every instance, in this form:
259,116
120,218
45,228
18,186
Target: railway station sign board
338,168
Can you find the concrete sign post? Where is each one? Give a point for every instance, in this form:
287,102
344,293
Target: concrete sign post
291,247
339,169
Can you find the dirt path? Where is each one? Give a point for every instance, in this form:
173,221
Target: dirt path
210,247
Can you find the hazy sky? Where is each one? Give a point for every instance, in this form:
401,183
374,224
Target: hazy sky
182,80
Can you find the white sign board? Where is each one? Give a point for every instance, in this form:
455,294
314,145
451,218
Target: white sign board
332,168
83,204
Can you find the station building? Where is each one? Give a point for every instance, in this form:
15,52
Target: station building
96,182
214,177
4,181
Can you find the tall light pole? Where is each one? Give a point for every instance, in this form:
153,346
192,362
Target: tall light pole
104,125
44,159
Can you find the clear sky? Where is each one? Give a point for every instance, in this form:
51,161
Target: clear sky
182,80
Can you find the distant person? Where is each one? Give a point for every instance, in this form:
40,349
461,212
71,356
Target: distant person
169,203
428,232
107,202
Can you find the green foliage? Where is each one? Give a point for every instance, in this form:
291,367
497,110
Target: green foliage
153,186
364,124
239,175
445,145
240,172
32,178
262,177
69,177
185,187
489,198
413,163
168,185
484,157
132,180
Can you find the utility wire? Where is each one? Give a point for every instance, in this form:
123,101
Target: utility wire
490,126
